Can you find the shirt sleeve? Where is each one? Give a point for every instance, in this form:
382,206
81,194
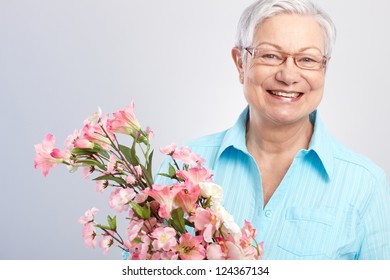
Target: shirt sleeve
376,223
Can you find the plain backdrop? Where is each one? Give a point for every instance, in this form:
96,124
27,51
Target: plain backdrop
60,60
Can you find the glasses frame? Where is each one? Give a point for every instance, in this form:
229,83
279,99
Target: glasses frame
286,55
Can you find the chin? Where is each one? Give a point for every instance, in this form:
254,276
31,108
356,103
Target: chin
286,118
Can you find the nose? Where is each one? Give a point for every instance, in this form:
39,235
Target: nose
288,73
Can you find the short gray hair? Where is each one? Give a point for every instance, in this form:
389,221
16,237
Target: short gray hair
256,13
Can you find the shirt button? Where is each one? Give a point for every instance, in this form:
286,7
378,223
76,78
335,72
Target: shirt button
268,213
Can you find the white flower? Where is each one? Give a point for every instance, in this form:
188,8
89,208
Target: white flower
95,117
212,190
229,226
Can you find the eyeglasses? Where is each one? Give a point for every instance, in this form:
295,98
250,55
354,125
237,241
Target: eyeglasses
269,57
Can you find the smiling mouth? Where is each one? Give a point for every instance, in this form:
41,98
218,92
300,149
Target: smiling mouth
285,94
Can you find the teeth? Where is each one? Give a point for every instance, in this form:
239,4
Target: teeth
286,94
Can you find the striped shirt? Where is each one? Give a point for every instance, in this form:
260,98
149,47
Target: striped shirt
331,204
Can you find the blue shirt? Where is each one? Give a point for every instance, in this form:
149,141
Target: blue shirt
331,204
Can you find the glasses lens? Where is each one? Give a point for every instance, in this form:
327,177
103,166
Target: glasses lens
269,57
309,61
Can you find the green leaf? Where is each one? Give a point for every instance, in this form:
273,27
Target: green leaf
112,222
82,152
137,240
97,149
165,175
171,171
102,152
103,227
142,211
129,154
148,176
73,169
142,139
134,155
92,162
118,180
177,220
150,161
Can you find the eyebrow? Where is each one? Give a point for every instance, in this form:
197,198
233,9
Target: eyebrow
280,48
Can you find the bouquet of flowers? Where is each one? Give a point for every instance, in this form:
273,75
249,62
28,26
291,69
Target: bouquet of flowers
183,220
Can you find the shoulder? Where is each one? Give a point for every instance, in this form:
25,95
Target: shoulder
356,162
349,165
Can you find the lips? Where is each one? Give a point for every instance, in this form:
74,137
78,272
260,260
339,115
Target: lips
285,94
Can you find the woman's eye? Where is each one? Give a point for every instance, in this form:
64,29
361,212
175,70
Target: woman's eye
307,59
270,56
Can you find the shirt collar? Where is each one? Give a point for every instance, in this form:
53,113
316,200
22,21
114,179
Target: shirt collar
320,143
236,135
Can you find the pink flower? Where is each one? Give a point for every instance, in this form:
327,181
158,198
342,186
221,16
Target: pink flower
101,185
185,155
191,248
69,141
248,234
111,165
47,156
137,170
195,175
164,238
89,235
165,196
206,221
170,255
226,250
106,242
59,154
140,197
235,252
125,121
139,250
88,216
134,229
96,132
87,172
188,197
149,225
139,226
168,150
150,133
261,250
120,198
130,179
215,251
83,143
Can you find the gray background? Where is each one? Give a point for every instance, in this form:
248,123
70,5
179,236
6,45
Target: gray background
60,60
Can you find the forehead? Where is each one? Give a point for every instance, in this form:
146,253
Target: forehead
290,32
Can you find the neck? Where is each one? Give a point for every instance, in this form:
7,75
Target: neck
267,138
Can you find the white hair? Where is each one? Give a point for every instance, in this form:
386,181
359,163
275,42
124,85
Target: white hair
261,10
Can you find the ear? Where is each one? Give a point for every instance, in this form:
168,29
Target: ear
326,65
237,58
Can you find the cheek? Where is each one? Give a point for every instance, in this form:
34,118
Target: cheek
258,76
315,81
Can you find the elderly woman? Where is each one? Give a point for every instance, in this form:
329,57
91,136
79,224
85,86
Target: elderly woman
308,196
